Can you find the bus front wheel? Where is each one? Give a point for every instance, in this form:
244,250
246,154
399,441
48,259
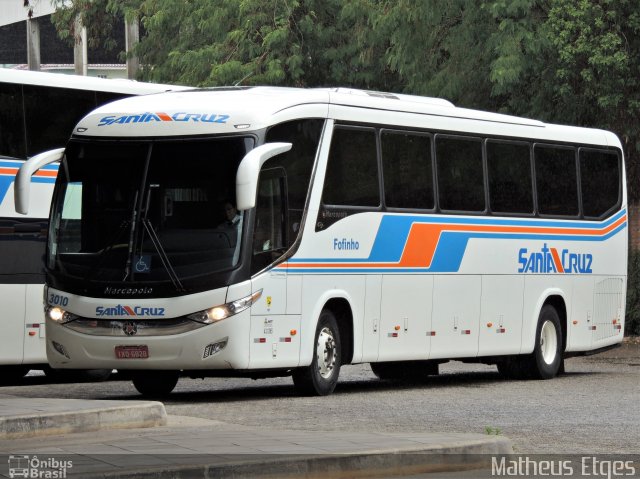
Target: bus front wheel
321,377
155,383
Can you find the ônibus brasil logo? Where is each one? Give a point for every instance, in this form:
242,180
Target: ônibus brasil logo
549,260
121,310
148,117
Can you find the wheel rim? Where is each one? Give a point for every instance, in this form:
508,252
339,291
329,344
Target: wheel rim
326,353
548,342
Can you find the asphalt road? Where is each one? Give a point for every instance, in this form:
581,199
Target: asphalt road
593,409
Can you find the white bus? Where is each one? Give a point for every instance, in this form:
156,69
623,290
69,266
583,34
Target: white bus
37,113
374,228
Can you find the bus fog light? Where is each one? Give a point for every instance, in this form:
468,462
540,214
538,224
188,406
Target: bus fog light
218,313
214,348
59,315
61,349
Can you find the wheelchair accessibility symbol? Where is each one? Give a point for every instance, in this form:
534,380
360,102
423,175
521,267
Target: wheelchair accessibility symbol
142,263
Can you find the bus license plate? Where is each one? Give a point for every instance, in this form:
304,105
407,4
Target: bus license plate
132,352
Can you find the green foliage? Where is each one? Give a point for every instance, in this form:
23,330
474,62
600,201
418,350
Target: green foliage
632,320
564,61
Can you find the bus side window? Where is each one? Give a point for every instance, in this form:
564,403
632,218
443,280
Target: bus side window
352,171
510,177
600,180
460,173
407,170
298,165
556,180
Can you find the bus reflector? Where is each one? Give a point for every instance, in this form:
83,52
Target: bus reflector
501,330
592,328
489,325
575,321
260,340
32,333
293,332
285,340
466,331
431,333
397,328
392,335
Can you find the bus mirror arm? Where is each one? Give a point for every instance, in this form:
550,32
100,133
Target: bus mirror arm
249,170
26,171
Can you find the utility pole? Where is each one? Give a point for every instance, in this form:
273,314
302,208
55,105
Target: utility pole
131,38
33,44
80,48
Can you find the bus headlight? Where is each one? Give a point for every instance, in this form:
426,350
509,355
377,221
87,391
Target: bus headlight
218,313
59,315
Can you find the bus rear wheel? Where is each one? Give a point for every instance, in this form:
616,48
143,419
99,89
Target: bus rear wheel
546,360
155,383
321,377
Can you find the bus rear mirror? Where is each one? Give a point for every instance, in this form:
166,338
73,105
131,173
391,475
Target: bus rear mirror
249,170
23,178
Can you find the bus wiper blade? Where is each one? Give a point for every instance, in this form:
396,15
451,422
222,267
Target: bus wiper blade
163,255
132,233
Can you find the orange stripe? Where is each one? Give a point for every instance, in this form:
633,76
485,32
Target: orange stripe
8,171
164,117
423,240
48,173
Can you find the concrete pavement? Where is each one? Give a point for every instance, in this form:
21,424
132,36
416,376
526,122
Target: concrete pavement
117,439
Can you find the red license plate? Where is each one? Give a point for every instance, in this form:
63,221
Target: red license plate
132,352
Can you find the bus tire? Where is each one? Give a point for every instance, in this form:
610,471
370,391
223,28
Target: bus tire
321,376
546,359
155,383
512,368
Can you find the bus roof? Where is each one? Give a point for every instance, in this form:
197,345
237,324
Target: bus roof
233,109
78,82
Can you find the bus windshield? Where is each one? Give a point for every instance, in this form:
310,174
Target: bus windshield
147,211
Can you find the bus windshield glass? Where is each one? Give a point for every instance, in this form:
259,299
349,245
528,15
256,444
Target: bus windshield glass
149,211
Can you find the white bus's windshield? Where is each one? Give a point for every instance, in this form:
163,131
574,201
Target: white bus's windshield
147,212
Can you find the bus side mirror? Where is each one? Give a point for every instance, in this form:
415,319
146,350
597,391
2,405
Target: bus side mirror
249,169
23,178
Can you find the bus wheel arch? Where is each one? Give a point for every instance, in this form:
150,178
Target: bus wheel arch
560,306
343,313
550,332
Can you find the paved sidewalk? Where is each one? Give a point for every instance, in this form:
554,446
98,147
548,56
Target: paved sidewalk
194,447
35,417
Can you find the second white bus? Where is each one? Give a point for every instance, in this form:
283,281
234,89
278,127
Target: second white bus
372,228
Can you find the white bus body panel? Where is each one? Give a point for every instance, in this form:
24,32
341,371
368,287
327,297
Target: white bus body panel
22,340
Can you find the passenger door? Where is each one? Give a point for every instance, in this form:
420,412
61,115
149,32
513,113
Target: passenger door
272,342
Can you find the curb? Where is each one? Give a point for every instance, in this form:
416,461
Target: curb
450,457
139,415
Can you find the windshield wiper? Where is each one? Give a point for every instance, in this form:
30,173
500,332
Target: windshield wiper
132,235
166,263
